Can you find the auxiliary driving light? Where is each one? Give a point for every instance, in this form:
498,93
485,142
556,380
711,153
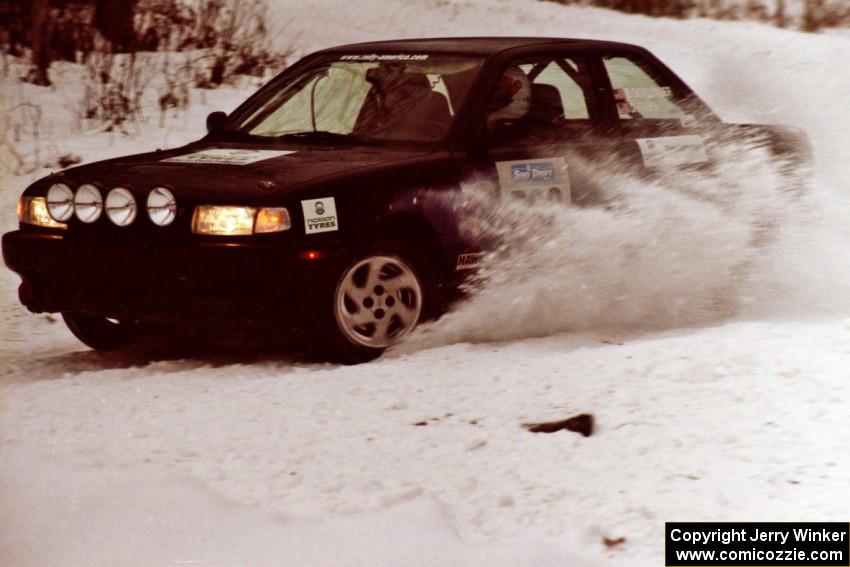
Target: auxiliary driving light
162,206
121,206
60,202
88,203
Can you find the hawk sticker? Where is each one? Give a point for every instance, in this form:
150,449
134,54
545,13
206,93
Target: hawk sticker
319,215
469,261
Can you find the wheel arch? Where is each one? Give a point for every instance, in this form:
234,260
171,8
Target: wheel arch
402,235
413,229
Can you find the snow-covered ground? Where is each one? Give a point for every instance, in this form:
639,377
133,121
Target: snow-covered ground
420,458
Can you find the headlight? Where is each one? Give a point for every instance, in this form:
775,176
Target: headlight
33,210
239,221
224,221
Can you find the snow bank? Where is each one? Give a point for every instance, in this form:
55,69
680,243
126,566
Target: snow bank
176,520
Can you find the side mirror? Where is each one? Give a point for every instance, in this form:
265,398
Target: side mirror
215,121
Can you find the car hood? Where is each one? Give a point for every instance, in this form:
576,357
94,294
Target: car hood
236,173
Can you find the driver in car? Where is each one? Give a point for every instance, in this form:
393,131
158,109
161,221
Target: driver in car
511,100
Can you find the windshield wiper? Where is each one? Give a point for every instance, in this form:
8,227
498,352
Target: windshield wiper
237,136
324,136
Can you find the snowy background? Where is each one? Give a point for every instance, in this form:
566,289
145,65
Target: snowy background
420,458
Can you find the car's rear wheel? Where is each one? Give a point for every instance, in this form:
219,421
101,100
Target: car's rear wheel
378,299
102,333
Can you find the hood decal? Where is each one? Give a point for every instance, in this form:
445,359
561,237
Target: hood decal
228,156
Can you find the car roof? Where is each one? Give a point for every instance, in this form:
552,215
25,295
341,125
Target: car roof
470,45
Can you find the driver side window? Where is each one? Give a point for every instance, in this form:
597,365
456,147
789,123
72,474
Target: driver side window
541,100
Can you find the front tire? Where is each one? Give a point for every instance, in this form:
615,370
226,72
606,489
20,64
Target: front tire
101,333
378,299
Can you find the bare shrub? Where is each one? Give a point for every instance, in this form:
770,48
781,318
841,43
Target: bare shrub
179,44
22,122
235,36
173,45
226,38
813,14
116,84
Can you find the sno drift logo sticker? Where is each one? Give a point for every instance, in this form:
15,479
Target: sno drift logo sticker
532,178
533,172
319,215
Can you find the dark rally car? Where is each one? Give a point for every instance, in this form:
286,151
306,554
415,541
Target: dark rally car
314,205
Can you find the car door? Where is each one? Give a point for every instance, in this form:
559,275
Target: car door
662,124
541,146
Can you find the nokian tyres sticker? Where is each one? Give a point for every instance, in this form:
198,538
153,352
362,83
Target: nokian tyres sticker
228,156
319,215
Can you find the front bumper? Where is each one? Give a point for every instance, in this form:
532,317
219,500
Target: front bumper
258,281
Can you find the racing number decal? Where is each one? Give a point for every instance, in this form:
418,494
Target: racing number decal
671,151
228,156
319,215
544,178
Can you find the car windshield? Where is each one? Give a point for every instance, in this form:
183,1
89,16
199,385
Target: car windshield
361,98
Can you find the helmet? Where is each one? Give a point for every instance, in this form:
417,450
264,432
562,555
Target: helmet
512,97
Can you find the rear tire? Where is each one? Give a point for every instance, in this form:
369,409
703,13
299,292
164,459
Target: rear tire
100,333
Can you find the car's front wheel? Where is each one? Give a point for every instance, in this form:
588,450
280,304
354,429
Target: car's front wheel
102,333
378,299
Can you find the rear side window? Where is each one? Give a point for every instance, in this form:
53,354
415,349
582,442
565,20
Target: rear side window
640,92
